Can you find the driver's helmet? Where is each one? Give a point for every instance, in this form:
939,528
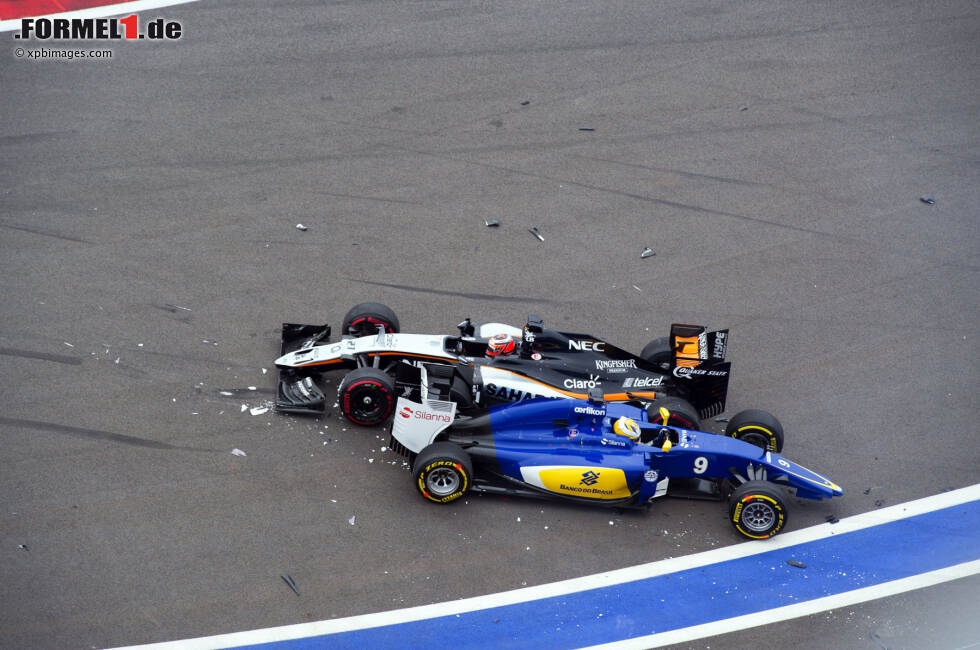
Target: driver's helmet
627,427
501,344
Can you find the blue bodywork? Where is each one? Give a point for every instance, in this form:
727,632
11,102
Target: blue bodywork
532,438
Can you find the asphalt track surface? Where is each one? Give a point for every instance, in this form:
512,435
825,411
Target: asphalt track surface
772,156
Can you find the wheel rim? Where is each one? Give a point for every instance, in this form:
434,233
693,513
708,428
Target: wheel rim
442,481
367,403
756,438
758,517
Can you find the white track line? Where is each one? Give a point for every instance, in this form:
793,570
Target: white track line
99,12
630,574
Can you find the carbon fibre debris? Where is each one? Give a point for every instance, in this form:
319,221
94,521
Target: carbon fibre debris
534,231
289,581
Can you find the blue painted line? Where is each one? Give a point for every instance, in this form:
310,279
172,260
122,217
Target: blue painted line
834,565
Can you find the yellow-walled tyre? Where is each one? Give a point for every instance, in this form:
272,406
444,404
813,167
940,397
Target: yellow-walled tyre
757,510
443,472
760,428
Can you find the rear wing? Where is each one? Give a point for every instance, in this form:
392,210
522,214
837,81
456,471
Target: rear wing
698,359
693,344
297,393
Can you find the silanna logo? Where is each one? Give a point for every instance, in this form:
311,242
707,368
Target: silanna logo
100,29
406,412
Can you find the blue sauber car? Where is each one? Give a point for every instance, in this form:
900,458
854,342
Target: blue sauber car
603,453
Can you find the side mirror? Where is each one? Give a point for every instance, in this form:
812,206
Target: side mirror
466,327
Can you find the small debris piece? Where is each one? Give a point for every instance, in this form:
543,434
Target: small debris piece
877,639
721,419
300,226
534,231
879,503
647,252
491,223
585,128
259,410
868,491
238,452
928,200
742,108
525,102
176,307
832,519
798,565
23,547
289,581
209,342
351,520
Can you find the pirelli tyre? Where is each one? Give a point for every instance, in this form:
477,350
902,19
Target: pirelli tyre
756,427
442,472
757,510
682,414
658,353
367,396
365,318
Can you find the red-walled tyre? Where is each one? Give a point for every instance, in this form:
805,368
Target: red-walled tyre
367,396
365,319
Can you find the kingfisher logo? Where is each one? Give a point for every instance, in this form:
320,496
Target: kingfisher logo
589,478
406,412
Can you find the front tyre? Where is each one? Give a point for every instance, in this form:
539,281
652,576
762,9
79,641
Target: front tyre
367,396
759,428
442,472
366,318
757,510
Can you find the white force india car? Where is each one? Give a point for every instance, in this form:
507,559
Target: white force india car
494,363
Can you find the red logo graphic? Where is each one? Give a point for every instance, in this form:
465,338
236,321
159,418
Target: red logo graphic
406,412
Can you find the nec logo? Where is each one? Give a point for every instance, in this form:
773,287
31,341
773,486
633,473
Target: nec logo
596,346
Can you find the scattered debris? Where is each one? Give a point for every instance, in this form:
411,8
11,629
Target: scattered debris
638,288
879,503
259,410
534,231
23,547
209,342
647,252
586,128
742,108
525,102
491,223
300,226
831,519
928,200
68,344
721,419
289,581
798,565
877,639
176,307
351,520
868,491
238,452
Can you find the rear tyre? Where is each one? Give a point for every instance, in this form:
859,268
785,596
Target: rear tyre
442,472
757,510
658,353
367,396
365,318
756,427
682,414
